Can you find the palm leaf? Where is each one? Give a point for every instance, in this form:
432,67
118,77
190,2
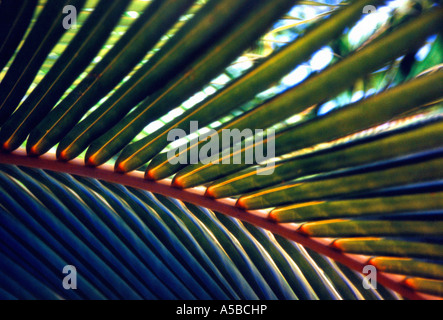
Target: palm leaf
357,186
43,36
77,56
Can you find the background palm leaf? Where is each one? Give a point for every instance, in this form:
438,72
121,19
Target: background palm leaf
85,178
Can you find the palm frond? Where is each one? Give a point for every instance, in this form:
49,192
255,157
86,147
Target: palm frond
86,177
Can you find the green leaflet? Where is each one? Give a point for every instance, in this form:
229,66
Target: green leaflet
77,56
426,285
390,247
247,86
192,79
376,109
193,40
409,267
395,144
426,170
328,83
348,228
114,66
355,208
44,35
